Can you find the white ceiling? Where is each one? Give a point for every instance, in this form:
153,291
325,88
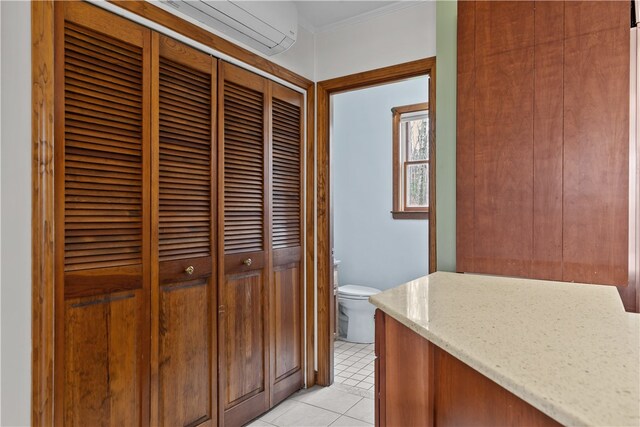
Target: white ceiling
319,15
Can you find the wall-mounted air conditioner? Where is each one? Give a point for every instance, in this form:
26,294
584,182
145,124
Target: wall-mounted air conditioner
269,27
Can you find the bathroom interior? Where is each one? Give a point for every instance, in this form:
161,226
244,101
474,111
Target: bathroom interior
373,250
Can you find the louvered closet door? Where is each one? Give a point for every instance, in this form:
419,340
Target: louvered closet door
243,290
286,242
102,218
183,294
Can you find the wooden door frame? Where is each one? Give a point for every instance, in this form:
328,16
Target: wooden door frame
324,90
42,185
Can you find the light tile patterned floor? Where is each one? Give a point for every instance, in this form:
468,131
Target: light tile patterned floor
354,365
348,402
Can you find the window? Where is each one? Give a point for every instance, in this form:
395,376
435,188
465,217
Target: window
411,148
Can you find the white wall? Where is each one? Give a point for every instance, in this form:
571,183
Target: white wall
401,36
299,57
374,249
15,250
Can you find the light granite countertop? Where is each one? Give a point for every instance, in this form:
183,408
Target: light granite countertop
570,350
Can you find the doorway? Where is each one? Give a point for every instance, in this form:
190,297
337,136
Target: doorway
326,312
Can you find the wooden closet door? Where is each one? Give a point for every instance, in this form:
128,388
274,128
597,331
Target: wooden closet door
286,242
183,295
243,285
102,218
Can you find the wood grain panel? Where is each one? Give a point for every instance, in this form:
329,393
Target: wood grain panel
503,167
380,388
101,360
185,354
407,376
503,26
596,146
463,396
287,326
550,172
465,137
583,18
43,276
244,332
548,141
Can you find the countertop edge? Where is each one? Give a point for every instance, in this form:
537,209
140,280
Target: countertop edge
556,412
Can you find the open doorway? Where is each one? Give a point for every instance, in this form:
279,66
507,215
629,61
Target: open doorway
379,186
398,201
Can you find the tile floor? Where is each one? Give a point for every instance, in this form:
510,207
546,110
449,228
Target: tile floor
354,365
348,402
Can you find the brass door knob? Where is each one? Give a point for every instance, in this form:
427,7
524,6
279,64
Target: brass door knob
247,262
189,270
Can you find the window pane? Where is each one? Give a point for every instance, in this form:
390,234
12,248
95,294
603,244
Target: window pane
418,185
418,139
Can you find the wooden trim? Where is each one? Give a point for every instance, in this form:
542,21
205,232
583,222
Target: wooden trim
410,214
433,253
220,238
310,237
422,106
379,76
324,279
194,32
324,90
58,220
155,218
42,213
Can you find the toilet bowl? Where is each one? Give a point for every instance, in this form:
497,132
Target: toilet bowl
354,303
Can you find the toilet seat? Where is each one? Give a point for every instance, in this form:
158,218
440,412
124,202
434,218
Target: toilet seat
356,292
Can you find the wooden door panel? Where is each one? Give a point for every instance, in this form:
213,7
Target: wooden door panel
244,306
287,374
286,283
245,344
184,341
102,340
548,141
185,353
465,134
596,149
102,217
503,166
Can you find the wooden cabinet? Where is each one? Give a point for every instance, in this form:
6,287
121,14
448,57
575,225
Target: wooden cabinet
543,140
178,240
418,384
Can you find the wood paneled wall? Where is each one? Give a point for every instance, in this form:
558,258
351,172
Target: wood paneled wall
543,140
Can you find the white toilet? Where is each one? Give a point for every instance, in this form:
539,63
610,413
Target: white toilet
354,303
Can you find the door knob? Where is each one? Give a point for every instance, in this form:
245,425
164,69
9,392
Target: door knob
189,270
247,262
